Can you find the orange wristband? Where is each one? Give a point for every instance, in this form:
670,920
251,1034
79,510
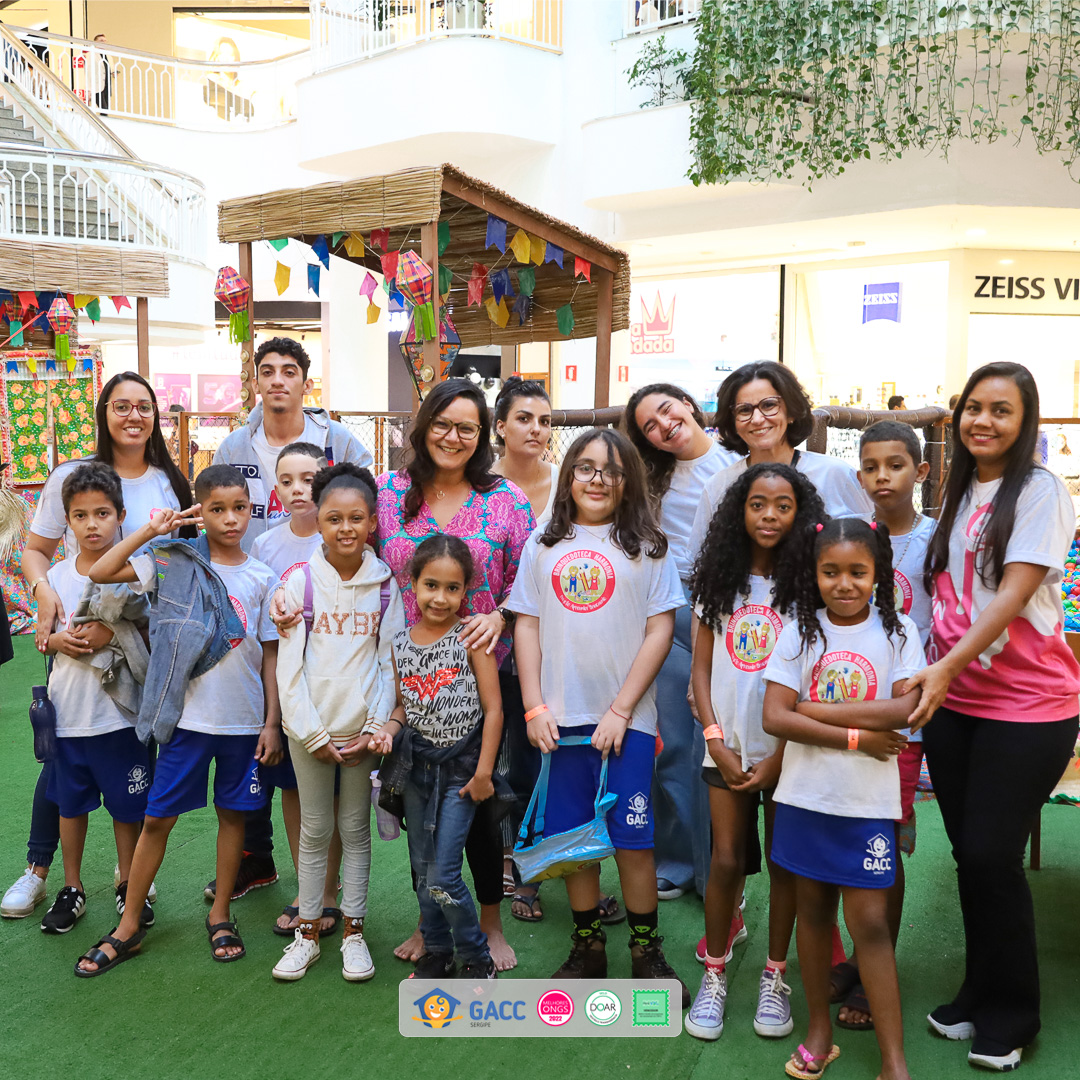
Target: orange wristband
713,732
853,734
620,715
532,714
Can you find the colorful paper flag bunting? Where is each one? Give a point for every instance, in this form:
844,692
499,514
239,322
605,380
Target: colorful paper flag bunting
281,278
565,318
88,364
500,285
93,310
523,308
582,268
444,236
337,238
81,300
280,244
526,281
369,286
554,254
322,251
313,272
496,233
445,279
390,264
373,313
28,300
15,329
476,290
538,247
520,246
380,238
497,312
120,302
50,365
354,245
13,367
397,301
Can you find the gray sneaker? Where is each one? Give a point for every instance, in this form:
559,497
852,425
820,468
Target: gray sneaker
773,1019
705,1020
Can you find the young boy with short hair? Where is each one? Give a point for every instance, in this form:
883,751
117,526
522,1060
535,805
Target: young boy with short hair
890,465
230,713
98,755
284,548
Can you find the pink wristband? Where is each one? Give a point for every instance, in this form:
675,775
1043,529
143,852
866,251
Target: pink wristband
853,738
713,731
532,714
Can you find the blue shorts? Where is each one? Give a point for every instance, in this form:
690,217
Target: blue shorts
281,775
856,852
575,775
183,772
112,768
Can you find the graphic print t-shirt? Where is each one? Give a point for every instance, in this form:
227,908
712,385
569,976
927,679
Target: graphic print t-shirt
592,602
853,663
1028,674
228,699
438,688
283,551
742,645
909,556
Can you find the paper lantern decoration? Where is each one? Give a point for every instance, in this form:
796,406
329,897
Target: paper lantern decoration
234,292
60,319
412,348
417,282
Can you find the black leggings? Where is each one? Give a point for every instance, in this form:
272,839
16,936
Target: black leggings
991,778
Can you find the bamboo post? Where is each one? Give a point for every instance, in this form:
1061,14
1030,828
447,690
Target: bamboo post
429,252
247,350
142,335
605,292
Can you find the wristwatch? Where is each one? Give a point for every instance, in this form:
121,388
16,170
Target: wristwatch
508,616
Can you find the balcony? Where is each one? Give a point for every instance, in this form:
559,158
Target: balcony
343,31
644,15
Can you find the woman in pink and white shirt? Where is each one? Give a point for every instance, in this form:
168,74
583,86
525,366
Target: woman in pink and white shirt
1001,692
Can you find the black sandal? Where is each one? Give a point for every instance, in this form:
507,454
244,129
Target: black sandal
125,950
610,912
230,940
843,978
857,1001
335,916
283,931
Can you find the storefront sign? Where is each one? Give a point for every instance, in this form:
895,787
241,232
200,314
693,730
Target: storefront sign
1023,287
654,334
881,301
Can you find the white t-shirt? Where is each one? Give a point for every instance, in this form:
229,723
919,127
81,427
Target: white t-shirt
262,489
1028,674
142,496
909,557
682,498
835,481
854,663
741,649
228,699
82,706
592,602
282,550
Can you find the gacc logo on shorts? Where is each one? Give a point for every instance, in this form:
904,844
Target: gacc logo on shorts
254,783
138,779
638,809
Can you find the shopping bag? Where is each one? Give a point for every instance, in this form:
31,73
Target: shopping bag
566,852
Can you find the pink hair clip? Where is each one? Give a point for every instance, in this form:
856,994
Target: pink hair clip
819,526
873,525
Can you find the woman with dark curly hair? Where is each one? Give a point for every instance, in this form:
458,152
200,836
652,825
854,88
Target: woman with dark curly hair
448,486
668,428
745,584
763,411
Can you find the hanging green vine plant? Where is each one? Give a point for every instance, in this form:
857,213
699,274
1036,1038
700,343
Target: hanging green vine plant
786,88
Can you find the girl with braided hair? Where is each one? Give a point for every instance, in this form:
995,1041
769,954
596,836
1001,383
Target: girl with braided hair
839,790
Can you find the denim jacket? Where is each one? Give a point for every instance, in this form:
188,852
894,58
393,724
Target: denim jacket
192,622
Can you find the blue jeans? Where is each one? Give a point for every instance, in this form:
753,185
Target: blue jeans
680,799
447,913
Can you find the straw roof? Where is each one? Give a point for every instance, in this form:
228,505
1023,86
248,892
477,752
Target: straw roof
80,268
404,201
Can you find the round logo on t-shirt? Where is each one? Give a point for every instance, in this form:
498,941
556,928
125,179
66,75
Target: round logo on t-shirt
583,580
285,577
241,614
751,634
902,594
843,676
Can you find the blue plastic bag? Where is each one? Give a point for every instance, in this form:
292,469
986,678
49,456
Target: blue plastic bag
566,852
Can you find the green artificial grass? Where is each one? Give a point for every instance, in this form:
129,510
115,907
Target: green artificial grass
174,1013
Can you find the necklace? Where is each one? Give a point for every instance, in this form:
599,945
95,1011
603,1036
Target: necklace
911,533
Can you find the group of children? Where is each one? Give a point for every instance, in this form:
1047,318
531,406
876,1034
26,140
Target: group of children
808,630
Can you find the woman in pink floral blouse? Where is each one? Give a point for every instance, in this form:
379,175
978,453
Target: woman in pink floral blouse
448,487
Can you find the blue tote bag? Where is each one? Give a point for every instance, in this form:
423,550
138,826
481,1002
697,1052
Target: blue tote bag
570,851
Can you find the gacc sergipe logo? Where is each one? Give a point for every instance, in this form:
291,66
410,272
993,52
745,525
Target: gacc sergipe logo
436,1009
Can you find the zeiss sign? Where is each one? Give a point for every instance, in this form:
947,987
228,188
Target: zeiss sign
881,302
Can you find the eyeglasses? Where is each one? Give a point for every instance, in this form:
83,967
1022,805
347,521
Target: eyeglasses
466,431
123,408
584,472
767,406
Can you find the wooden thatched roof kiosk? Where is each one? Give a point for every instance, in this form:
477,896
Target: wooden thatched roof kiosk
412,205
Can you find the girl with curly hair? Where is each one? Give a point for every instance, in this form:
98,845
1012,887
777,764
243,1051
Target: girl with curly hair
834,691
744,588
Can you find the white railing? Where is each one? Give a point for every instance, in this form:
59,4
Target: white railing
347,30
64,195
202,95
650,14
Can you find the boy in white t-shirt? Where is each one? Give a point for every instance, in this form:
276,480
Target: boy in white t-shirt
98,755
230,715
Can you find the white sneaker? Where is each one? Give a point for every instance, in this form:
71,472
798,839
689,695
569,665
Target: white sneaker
299,955
25,895
151,896
356,965
705,1020
773,1019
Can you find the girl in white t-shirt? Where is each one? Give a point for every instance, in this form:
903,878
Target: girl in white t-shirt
596,598
744,587
833,691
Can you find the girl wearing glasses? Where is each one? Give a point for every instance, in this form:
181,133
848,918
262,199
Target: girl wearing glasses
763,412
588,658
448,487
129,439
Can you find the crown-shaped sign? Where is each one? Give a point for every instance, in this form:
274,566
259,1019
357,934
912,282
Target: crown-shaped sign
657,321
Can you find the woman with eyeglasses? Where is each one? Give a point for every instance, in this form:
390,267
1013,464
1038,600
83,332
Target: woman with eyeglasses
448,486
763,412
129,439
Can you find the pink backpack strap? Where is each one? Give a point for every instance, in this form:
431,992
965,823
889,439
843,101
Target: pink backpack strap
309,599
